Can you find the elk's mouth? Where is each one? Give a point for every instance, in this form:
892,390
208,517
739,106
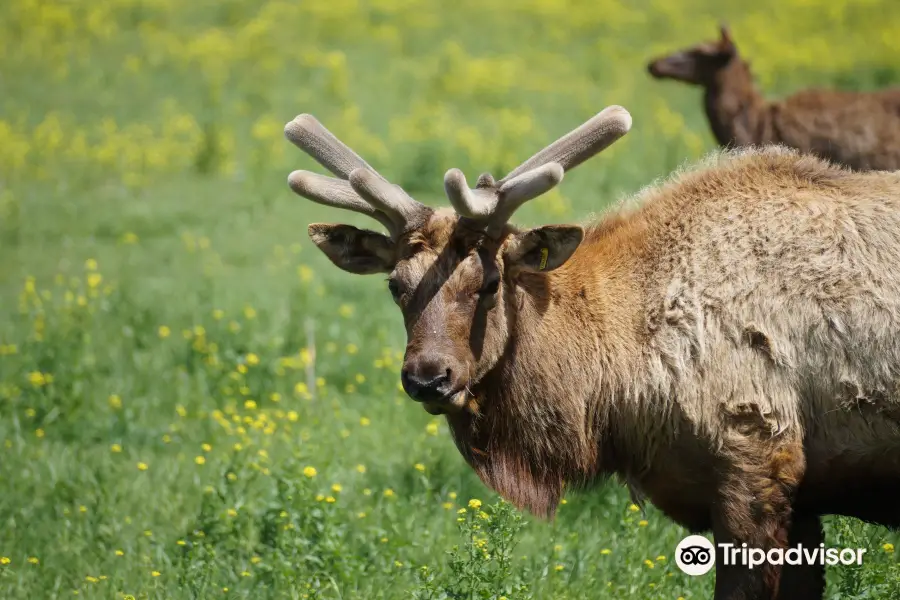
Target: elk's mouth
452,403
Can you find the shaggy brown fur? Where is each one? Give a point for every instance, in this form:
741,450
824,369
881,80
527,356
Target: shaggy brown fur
859,130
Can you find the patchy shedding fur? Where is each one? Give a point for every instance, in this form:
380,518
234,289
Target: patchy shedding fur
859,130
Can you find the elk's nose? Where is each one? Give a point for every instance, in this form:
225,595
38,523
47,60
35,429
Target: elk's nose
427,381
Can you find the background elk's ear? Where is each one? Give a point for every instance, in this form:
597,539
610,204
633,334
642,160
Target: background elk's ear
725,39
543,248
355,250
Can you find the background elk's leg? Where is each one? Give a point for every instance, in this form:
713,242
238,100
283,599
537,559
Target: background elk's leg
757,485
803,582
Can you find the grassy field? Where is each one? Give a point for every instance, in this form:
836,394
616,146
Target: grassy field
194,404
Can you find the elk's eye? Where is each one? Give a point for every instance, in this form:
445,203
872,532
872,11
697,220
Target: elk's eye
490,288
394,287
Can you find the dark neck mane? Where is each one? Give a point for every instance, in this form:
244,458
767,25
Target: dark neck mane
737,112
541,422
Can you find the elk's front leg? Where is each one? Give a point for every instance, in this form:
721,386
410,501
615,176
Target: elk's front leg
757,483
803,582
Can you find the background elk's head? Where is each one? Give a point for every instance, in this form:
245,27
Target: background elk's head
455,274
698,64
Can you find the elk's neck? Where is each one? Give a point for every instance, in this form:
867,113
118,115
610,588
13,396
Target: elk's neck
737,112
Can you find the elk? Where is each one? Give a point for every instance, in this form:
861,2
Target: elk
858,130
727,344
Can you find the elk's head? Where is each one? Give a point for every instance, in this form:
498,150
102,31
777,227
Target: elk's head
454,273
697,64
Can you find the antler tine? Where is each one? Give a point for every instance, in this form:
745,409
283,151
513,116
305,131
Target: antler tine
360,187
336,193
387,198
520,189
308,134
471,203
580,144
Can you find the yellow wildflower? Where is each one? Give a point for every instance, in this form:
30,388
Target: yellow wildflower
475,503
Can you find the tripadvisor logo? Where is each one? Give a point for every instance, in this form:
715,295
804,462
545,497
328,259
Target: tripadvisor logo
696,555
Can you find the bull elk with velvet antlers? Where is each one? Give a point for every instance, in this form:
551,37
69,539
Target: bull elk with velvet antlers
728,344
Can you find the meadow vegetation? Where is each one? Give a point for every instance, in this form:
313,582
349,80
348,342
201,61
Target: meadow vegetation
195,404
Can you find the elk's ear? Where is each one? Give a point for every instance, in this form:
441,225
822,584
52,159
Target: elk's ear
355,250
725,39
543,248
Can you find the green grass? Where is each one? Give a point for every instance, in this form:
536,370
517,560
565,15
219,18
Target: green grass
184,209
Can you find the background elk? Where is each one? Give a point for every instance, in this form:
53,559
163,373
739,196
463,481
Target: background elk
860,130
730,347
